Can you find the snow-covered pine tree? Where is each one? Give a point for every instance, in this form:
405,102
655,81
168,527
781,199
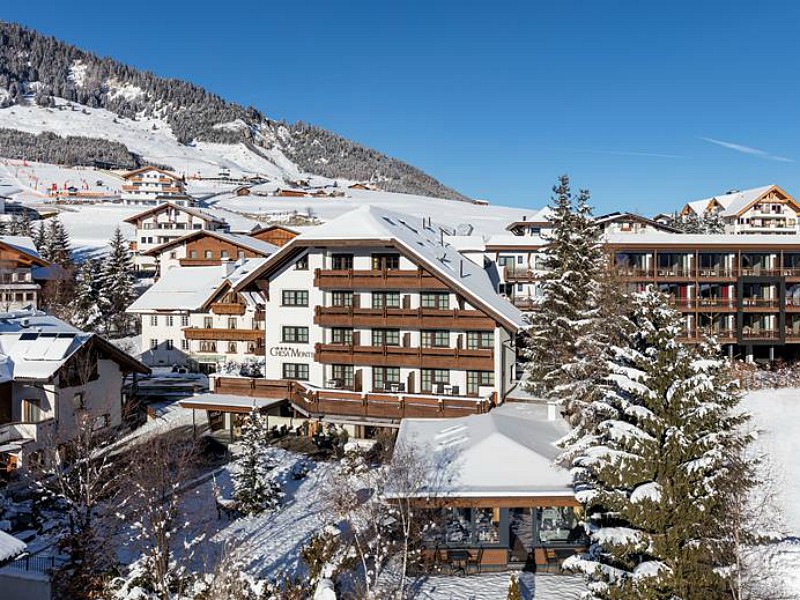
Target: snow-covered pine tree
57,243
566,333
40,241
86,315
254,489
116,285
655,470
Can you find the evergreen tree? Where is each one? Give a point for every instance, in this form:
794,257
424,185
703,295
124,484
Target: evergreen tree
25,226
116,285
86,315
566,332
40,241
656,468
58,244
254,490
514,592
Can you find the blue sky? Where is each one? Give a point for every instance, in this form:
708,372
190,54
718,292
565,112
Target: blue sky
647,104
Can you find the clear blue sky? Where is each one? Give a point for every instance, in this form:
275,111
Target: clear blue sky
647,104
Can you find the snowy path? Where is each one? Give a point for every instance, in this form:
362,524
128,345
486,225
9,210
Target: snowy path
495,586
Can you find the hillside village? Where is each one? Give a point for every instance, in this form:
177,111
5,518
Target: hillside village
288,352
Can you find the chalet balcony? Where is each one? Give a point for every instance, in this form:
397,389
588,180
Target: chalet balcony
227,335
228,308
390,279
401,318
251,387
521,273
523,303
199,262
398,356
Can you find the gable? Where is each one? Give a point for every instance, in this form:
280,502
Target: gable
277,236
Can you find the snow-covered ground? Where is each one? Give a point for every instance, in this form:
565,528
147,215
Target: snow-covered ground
495,585
91,227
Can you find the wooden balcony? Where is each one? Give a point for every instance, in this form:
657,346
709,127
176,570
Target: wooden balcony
391,279
724,336
199,262
260,314
252,387
762,334
391,407
759,272
226,335
228,308
523,303
398,356
703,304
401,318
514,273
760,304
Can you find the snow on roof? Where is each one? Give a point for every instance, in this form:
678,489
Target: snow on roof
543,215
242,241
732,202
509,451
467,243
190,288
10,546
514,241
706,239
236,221
422,241
206,215
22,243
228,401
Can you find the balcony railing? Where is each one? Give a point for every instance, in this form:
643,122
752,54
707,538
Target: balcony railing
760,334
514,273
749,303
700,333
398,356
403,318
228,308
227,335
393,279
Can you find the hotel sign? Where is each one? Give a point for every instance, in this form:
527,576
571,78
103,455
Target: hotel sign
289,352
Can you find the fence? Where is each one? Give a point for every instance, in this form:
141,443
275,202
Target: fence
36,564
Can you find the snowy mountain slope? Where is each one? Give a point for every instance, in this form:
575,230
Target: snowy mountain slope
174,119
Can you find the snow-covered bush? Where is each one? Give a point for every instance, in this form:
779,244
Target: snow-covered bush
255,491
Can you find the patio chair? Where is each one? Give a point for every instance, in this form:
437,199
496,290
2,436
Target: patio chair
474,560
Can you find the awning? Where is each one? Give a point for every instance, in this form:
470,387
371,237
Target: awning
228,403
10,448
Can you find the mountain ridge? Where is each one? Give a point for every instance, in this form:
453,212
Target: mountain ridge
36,69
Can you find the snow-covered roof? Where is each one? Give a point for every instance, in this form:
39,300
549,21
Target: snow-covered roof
229,402
508,452
10,546
514,241
732,202
237,223
626,216
242,241
190,288
22,243
543,215
206,215
34,345
420,240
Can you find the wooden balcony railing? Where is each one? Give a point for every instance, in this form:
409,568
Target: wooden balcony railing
700,333
398,356
514,273
750,303
227,335
199,262
228,308
524,303
393,279
760,334
759,272
252,387
402,318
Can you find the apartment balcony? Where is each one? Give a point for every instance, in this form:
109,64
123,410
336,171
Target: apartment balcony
674,273
759,272
760,304
699,334
228,308
226,335
401,318
398,356
25,432
514,273
753,334
252,387
390,279
524,303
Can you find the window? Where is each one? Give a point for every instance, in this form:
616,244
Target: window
341,335
169,345
384,377
557,525
385,299
475,379
437,338
185,321
206,346
341,262
385,262
480,339
77,401
231,322
231,347
342,299
241,254
32,410
295,335
192,253
184,344
224,254
170,321
295,371
385,337
342,376
295,297
432,378
208,322
153,344
436,300
173,255
154,320
302,263
209,254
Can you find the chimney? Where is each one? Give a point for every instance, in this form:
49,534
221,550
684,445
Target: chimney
25,322
228,266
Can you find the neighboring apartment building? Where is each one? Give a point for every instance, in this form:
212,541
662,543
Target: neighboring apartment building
164,223
50,375
206,248
744,290
537,224
190,316
767,209
372,310
22,273
149,186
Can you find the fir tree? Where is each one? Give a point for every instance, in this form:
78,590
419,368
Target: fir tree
514,592
656,468
254,490
57,244
40,241
566,333
86,315
116,285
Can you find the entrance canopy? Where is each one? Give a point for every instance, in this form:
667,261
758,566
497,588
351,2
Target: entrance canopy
230,404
